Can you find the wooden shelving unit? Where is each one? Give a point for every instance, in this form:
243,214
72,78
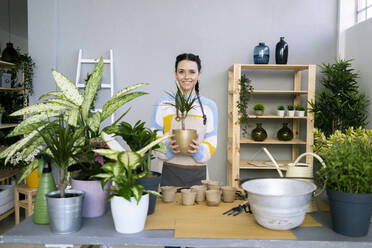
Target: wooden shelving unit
234,164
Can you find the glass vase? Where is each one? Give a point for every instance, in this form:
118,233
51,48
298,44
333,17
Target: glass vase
261,54
281,52
285,133
259,133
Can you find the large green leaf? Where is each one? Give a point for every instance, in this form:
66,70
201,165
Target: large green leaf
33,144
111,142
71,116
38,108
58,94
111,106
91,88
32,166
108,153
94,122
137,192
152,144
62,102
28,125
68,88
130,160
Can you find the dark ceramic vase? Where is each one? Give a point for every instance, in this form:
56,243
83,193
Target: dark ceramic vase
259,133
285,133
261,54
281,52
9,53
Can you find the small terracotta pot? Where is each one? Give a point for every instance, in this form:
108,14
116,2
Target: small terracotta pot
200,192
213,197
228,193
169,193
216,185
188,197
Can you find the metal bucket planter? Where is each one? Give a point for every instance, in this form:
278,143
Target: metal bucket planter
65,213
128,216
95,200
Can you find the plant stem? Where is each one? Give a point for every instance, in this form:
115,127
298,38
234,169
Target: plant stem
183,122
62,176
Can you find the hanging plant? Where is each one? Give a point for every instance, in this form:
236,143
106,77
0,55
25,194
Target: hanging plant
246,91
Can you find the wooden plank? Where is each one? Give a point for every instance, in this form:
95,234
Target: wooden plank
7,125
5,173
274,67
296,123
276,117
310,119
244,140
295,92
236,128
12,89
6,214
6,65
252,164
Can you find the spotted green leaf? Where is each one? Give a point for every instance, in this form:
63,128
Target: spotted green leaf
57,94
94,122
68,88
62,102
130,160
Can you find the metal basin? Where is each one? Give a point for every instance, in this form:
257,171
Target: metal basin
279,203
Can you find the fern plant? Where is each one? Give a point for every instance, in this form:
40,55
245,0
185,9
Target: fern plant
339,105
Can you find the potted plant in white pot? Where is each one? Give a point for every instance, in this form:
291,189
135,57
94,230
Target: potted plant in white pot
280,110
259,109
348,178
129,199
183,103
77,110
290,110
2,111
137,137
299,110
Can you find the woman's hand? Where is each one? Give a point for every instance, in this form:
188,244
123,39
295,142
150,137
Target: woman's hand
173,146
194,145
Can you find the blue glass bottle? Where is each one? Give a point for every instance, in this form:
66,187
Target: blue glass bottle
261,54
281,52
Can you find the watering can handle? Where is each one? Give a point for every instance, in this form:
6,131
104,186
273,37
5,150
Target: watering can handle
315,194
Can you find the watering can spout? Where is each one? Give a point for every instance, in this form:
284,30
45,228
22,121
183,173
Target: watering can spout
273,160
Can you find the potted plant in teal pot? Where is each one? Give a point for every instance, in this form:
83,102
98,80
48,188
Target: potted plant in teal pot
348,177
129,199
137,137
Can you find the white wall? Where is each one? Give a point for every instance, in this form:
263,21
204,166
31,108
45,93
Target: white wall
18,24
358,42
147,35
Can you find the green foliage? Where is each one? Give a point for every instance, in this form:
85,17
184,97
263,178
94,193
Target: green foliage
290,107
259,107
137,137
280,107
2,109
348,159
183,103
339,105
299,107
246,91
122,172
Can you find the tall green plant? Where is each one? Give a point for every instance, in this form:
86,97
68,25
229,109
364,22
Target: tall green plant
246,90
339,105
76,109
183,103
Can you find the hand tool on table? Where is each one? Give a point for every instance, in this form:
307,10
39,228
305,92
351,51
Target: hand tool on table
239,209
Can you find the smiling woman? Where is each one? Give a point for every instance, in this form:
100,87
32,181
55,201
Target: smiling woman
186,168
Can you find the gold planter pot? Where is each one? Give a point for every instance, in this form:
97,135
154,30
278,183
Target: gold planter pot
184,138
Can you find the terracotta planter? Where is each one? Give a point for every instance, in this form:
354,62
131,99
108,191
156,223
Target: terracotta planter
95,200
184,139
168,193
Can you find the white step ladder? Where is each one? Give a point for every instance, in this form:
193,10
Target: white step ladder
110,85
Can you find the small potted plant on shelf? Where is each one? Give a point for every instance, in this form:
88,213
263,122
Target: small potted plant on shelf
300,110
290,110
136,137
2,111
348,178
183,104
259,109
280,110
129,199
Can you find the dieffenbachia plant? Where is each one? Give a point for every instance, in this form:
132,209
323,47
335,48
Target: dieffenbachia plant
76,108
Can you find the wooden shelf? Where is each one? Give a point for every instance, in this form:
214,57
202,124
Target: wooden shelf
244,140
276,117
6,65
6,214
7,125
253,164
12,89
280,91
271,67
8,173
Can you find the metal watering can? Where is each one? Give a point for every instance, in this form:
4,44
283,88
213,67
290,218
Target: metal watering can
301,171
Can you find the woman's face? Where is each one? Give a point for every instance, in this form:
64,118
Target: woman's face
187,75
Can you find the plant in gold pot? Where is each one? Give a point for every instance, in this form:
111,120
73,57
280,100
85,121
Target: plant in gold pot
348,178
183,104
